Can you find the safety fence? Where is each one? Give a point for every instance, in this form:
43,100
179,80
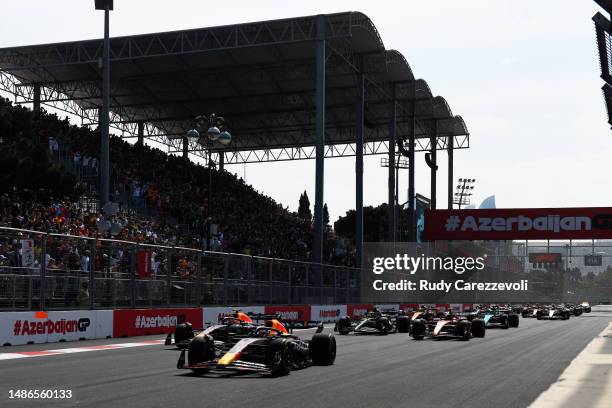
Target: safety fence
40,271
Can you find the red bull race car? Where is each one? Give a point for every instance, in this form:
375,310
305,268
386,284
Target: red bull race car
236,324
268,349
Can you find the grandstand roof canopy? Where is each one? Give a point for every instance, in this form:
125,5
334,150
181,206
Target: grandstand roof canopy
259,76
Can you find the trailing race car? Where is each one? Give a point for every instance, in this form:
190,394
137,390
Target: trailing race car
374,322
269,349
236,324
530,311
553,313
498,317
586,307
448,326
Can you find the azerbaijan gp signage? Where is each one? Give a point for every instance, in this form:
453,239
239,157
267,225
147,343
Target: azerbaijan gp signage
528,223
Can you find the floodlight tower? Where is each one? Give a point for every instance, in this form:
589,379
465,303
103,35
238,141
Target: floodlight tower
464,192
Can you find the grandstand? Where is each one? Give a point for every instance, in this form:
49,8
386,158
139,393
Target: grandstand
288,90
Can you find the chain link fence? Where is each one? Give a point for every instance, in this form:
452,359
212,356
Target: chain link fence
40,271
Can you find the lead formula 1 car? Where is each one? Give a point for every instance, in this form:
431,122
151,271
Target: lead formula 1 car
269,349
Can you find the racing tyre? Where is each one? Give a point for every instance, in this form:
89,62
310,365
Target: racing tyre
479,328
524,314
463,330
323,349
403,324
513,320
183,332
278,357
539,315
383,326
344,325
418,329
201,349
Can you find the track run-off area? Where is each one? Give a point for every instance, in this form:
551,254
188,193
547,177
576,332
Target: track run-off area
507,368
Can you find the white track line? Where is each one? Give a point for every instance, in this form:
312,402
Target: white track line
586,380
56,352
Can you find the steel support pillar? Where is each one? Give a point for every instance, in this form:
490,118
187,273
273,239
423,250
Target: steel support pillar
411,194
391,186
36,98
104,117
451,146
185,147
359,173
141,133
317,249
434,167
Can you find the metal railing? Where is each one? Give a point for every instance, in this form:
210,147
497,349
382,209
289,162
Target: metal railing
47,271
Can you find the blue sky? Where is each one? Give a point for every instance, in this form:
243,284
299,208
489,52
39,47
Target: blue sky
523,74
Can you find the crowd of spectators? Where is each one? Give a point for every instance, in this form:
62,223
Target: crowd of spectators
48,165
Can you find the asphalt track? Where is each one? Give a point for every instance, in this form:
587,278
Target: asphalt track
508,368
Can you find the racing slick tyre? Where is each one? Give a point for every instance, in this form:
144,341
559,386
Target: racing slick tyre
279,357
463,331
539,315
577,312
201,349
479,328
383,325
183,332
504,323
323,349
513,320
524,313
344,325
566,316
403,324
418,329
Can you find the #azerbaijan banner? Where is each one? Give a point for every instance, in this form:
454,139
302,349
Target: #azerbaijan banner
516,223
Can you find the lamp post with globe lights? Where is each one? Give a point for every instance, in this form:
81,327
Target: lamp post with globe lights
215,132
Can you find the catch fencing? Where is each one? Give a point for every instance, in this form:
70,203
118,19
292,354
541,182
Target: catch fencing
46,271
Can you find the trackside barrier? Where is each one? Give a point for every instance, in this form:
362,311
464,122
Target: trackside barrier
48,327
51,327
143,322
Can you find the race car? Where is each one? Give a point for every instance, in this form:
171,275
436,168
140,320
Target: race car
374,322
499,317
269,349
530,311
586,307
575,310
236,324
448,326
553,313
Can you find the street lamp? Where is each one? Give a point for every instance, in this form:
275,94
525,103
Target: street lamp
215,132
105,5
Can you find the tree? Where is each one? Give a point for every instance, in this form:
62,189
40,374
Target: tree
325,215
304,207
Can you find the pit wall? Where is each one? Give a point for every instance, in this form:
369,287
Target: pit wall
58,326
